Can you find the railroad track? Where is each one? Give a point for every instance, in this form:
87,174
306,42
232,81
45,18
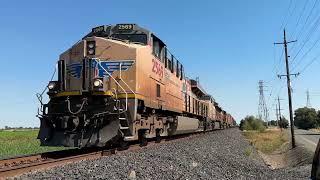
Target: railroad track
19,165
23,164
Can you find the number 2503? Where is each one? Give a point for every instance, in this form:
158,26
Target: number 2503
125,26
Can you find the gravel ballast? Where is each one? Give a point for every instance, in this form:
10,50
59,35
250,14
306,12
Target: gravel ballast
216,155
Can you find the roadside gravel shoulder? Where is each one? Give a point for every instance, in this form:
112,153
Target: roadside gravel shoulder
215,155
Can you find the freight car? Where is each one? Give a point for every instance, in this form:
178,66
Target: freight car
121,83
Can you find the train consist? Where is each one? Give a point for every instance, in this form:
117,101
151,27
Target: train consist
120,83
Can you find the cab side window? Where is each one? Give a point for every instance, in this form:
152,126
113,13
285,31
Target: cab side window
174,64
162,54
182,72
169,60
158,48
178,69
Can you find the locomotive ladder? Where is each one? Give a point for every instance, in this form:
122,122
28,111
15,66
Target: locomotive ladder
124,124
123,117
122,114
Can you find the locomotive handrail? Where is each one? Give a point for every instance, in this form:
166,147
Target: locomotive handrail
98,61
40,95
124,81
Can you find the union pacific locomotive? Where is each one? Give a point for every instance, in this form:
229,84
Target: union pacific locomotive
120,83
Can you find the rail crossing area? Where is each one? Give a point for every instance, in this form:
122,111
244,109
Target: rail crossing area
221,154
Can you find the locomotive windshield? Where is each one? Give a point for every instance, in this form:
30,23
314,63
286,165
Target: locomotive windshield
133,38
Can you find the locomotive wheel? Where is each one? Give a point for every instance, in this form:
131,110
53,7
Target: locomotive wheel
123,145
142,138
158,137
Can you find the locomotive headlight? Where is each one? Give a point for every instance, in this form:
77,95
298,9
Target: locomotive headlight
51,85
97,83
91,47
91,51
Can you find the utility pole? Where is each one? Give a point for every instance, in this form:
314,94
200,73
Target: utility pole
263,109
277,114
288,85
279,111
308,99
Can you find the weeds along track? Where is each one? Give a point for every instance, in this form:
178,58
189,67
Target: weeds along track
16,166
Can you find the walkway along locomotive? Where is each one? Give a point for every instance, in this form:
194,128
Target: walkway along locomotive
121,83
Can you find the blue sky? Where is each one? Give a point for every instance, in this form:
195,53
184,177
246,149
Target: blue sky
228,44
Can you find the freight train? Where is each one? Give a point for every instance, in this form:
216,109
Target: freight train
121,83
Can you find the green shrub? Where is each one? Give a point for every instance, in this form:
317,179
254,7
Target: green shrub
250,123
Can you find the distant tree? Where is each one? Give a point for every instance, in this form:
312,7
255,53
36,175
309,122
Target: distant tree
318,118
252,123
6,127
306,118
283,122
273,123
241,124
264,123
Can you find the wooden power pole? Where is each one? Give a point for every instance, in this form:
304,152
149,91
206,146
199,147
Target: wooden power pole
279,111
285,43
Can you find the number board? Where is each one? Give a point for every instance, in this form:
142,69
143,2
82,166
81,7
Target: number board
125,27
98,29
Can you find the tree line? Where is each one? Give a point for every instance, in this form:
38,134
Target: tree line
9,128
306,118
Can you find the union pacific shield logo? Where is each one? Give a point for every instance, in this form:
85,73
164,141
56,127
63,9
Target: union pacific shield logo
111,66
75,69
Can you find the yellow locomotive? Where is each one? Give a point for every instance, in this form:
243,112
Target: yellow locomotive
120,83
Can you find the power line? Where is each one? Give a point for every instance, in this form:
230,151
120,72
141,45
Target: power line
294,8
305,23
301,13
274,59
306,53
273,80
285,17
285,22
279,62
310,62
275,69
309,35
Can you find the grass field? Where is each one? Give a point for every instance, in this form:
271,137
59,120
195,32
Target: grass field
21,142
267,141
